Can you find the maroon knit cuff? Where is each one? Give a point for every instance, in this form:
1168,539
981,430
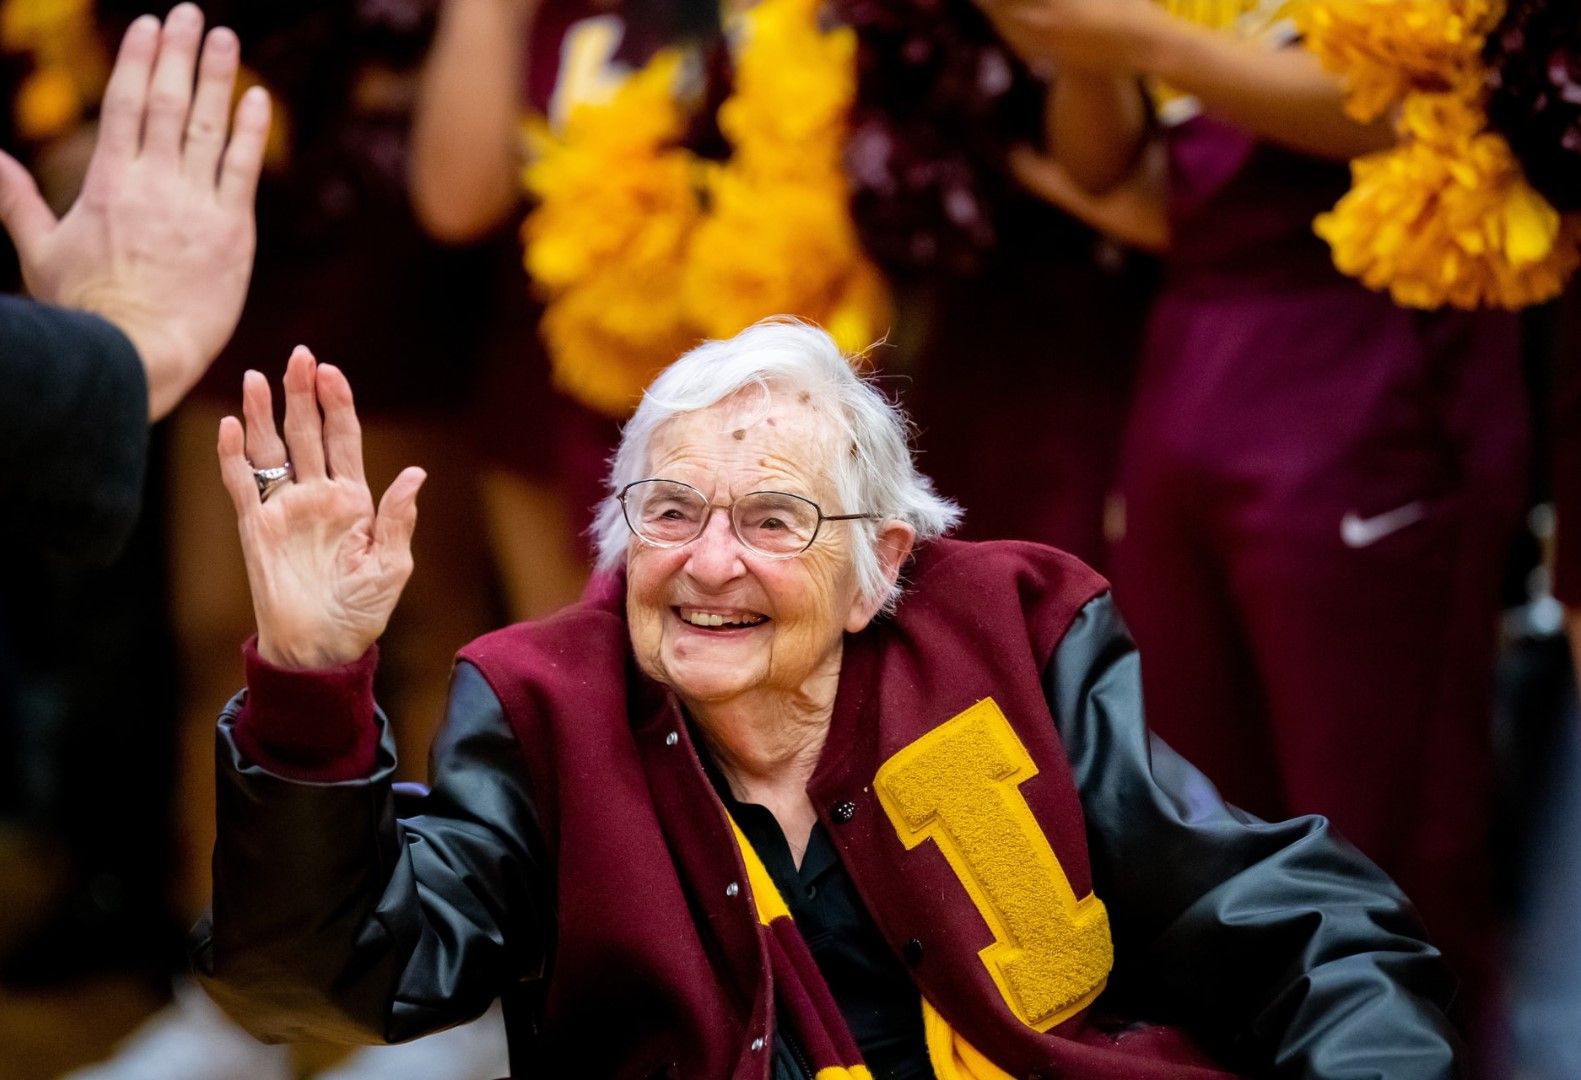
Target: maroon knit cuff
309,725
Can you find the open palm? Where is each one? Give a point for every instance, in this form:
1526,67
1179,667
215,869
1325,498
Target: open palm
161,239
326,569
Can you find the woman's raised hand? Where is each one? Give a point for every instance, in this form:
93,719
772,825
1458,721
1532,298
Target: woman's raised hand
325,570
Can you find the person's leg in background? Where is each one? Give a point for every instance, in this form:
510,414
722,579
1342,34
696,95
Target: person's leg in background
1171,583
1019,381
1368,567
450,598
211,611
533,543
545,458
1172,579
1350,474
1377,664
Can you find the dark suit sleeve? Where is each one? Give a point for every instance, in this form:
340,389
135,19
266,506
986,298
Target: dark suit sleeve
1277,942
73,430
334,919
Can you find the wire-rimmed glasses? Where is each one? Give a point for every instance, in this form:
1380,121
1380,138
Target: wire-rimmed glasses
774,524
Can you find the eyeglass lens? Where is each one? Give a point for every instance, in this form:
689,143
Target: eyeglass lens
769,522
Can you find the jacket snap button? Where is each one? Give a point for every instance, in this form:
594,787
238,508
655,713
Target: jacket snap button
912,951
757,1043
844,811
671,739
732,889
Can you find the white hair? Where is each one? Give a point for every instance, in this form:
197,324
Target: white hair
877,476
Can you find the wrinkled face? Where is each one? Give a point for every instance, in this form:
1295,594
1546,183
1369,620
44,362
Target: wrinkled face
780,621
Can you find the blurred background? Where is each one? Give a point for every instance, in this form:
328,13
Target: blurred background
391,242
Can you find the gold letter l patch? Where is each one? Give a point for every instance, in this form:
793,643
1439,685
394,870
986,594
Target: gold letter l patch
958,786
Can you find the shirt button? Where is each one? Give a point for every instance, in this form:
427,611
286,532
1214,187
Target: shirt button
732,889
671,739
757,1044
812,891
844,811
912,951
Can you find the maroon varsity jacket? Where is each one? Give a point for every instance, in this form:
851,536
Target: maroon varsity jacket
986,759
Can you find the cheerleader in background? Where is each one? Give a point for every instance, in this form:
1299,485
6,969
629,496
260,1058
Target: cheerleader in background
1014,341
1319,485
493,62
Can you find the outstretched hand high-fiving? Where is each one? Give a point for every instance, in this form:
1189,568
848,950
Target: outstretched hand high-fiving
325,569
160,242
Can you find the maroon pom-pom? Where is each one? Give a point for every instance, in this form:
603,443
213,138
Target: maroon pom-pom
939,102
1534,94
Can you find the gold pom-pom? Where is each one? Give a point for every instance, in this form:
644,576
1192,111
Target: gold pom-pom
641,249
609,340
616,209
35,25
68,67
1448,218
1384,49
779,237
47,104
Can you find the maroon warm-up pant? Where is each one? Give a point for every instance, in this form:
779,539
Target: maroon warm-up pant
1319,490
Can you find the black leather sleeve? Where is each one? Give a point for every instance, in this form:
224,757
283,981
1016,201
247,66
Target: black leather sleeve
1279,943
334,919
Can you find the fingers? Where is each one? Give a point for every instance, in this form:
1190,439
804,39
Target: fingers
264,447
312,441
245,153
304,430
397,520
170,90
23,212
342,431
234,469
126,94
211,105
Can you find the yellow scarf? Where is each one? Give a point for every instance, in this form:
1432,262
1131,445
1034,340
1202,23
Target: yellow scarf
953,1058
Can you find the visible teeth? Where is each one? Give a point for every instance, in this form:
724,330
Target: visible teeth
704,618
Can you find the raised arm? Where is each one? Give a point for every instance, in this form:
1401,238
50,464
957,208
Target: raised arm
465,151
141,284
1097,127
1281,95
332,918
325,570
1102,165
160,242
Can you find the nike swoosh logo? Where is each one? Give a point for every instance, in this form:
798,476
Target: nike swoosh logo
1359,532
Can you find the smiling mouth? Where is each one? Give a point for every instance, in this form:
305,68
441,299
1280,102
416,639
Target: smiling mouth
719,620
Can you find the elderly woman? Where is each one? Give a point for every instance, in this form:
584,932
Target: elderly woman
799,790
